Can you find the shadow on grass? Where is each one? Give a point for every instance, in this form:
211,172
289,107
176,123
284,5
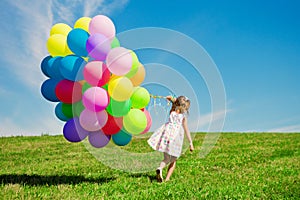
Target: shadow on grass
36,180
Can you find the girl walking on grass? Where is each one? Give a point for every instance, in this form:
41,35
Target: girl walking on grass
169,137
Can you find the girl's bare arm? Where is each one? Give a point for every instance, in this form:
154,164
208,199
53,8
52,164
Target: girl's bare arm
188,134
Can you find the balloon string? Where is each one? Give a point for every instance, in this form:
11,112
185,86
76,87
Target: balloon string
157,96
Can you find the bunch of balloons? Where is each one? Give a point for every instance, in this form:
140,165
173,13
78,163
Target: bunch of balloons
96,83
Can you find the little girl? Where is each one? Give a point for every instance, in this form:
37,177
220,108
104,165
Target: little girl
169,137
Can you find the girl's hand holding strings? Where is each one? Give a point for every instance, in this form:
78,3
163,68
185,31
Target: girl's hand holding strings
191,147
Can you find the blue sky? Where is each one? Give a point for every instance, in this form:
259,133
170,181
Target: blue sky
254,44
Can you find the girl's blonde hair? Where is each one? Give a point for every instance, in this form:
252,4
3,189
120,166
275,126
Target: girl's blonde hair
181,104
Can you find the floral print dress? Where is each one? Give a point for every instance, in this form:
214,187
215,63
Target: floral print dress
169,137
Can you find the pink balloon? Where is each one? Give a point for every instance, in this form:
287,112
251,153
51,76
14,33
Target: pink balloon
96,73
92,121
103,25
98,46
119,61
95,99
98,139
149,121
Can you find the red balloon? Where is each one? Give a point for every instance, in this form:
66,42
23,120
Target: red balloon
68,91
113,125
105,78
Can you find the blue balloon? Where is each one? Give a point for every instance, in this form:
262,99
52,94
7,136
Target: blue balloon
48,90
121,138
54,68
76,41
72,67
59,113
73,132
45,65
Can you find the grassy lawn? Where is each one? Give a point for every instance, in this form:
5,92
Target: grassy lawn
240,166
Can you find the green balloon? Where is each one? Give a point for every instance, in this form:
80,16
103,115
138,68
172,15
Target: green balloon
85,86
115,43
67,110
105,87
135,121
140,97
78,107
118,108
135,65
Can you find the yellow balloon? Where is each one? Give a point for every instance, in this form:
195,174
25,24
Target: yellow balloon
139,76
120,89
83,23
57,45
60,28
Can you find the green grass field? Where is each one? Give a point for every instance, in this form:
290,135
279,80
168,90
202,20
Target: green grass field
240,166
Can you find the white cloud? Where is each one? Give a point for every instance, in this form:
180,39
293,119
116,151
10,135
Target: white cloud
203,121
43,125
26,40
291,129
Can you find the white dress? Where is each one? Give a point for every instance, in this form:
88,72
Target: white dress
169,137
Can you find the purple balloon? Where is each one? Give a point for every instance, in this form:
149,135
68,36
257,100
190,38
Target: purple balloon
73,132
98,46
98,139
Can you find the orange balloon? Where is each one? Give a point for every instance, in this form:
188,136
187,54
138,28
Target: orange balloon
139,77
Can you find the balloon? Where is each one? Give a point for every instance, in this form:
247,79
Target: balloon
96,73
78,108
135,65
54,65
59,113
60,28
67,110
73,132
82,82
113,125
93,121
115,43
68,91
48,90
120,89
103,25
98,46
139,76
119,61
121,138
72,67
85,86
135,121
95,99
140,97
149,121
83,23
118,108
45,66
76,40
96,81
99,139
105,87
57,45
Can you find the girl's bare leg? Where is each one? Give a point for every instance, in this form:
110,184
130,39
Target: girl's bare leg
170,170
